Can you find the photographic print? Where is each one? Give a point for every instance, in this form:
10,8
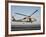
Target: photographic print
25,18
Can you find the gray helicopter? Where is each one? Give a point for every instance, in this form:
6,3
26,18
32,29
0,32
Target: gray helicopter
25,19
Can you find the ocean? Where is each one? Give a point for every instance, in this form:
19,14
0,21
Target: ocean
25,27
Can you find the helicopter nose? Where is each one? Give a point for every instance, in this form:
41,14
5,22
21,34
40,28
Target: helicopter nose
33,19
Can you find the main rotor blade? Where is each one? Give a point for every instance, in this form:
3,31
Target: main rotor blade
20,14
34,12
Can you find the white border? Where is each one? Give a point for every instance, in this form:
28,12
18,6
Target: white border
23,32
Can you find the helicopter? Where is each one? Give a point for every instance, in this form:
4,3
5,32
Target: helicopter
27,18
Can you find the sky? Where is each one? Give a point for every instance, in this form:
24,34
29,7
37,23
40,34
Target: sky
26,10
